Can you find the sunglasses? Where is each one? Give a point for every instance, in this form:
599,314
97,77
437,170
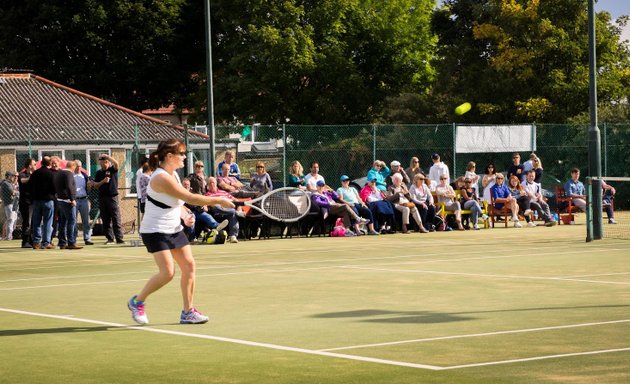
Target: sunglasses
199,166
467,181
499,178
259,166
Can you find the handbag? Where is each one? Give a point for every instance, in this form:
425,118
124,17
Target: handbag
409,205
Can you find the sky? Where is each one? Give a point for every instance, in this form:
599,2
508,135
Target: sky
616,8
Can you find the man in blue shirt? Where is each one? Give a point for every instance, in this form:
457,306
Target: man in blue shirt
234,170
502,196
575,190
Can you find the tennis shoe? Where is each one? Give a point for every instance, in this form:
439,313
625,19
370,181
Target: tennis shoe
517,225
193,317
233,239
484,217
612,221
222,225
137,311
531,224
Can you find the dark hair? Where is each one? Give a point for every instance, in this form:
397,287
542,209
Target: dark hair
575,170
164,148
45,161
494,169
143,160
28,162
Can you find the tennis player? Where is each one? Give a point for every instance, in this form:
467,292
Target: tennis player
162,231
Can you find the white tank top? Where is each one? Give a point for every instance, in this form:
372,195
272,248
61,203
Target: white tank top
162,220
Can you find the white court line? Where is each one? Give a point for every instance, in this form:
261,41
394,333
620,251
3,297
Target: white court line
230,340
597,275
536,358
515,277
477,335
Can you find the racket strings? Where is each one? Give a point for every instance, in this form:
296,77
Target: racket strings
286,204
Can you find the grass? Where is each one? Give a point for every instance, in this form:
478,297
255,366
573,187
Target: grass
530,305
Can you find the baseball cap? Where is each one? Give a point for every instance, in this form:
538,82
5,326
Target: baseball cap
321,183
395,163
10,173
344,178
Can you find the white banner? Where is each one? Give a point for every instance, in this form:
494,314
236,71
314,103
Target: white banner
495,138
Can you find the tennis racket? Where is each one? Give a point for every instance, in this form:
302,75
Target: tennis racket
283,204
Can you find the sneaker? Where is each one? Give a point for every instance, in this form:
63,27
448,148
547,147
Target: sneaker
233,239
363,221
423,230
137,311
531,224
484,217
550,223
62,246
612,221
121,242
73,246
50,246
222,225
27,245
349,233
88,242
517,225
240,213
193,317
373,233
476,227
110,242
527,212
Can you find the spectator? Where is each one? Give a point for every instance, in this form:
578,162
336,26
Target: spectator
55,166
397,168
203,220
438,169
516,169
537,164
423,199
106,181
470,201
233,185
382,210
458,183
488,181
447,196
261,181
379,173
10,201
522,199
82,180
143,183
43,193
431,184
296,176
471,172
529,164
608,194
233,169
329,203
403,203
414,169
222,213
575,190
198,179
502,196
141,162
26,207
536,199
66,190
350,195
313,177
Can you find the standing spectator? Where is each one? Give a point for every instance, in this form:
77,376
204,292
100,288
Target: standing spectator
488,181
312,178
414,169
471,172
66,190
26,207
538,168
261,181
296,175
234,171
379,173
55,166
397,168
43,194
575,190
438,169
9,192
82,181
141,162
516,169
529,164
106,181
143,182
198,179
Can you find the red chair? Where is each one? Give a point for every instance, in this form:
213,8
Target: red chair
493,211
564,202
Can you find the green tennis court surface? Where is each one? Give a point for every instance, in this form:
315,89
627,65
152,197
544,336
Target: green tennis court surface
530,305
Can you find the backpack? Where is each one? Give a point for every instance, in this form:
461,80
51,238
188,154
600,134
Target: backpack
213,236
339,230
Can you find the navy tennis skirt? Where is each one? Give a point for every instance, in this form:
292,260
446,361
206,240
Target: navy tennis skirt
156,242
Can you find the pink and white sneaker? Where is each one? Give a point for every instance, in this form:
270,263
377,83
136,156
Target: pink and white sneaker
193,317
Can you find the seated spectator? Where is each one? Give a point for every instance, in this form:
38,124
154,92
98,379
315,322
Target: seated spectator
423,199
470,201
431,184
328,201
378,173
502,196
447,196
608,194
261,181
522,199
536,199
575,190
382,210
516,169
396,168
233,169
198,179
313,177
203,220
414,169
458,183
403,203
349,194
233,185
488,181
296,176
229,214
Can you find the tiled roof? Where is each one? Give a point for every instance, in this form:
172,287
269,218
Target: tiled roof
51,113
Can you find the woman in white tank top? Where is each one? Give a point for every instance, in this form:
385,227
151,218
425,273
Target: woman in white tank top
162,232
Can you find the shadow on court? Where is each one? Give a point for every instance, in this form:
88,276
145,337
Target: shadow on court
23,332
428,317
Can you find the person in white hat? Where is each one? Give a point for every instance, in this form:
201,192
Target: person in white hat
395,168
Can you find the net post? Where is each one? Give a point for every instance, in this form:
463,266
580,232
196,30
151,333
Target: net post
589,209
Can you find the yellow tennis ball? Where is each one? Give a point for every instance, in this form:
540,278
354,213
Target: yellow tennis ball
463,108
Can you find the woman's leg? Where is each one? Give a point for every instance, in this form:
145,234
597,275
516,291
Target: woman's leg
475,210
404,212
166,271
186,262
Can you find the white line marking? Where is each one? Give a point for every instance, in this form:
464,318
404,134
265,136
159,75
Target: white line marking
477,335
230,340
515,277
597,275
537,358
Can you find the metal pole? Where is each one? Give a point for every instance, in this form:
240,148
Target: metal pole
454,152
373,145
187,163
605,149
594,139
284,155
210,91
30,149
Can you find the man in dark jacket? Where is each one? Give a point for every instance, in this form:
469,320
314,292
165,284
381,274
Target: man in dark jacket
25,205
67,204
43,194
106,181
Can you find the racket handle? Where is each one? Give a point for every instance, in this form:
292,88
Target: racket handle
238,203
